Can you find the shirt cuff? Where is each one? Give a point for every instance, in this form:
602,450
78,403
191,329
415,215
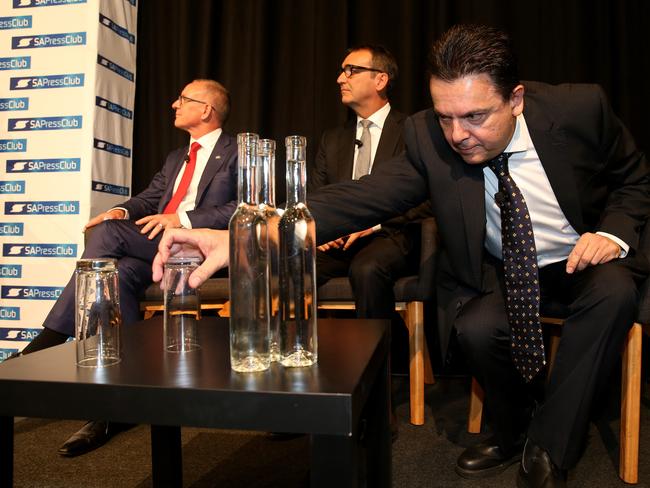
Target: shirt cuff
624,247
185,220
376,228
126,212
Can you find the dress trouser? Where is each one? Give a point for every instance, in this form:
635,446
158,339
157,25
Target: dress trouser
373,264
602,302
119,239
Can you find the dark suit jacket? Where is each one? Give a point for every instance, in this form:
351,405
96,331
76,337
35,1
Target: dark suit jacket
335,160
217,193
600,179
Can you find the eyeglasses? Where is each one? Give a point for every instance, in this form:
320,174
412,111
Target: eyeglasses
183,99
353,69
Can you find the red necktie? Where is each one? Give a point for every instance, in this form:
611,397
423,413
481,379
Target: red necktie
186,179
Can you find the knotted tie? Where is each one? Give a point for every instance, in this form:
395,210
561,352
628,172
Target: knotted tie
362,167
521,274
186,179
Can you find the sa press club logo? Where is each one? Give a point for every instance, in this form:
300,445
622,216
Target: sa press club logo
16,62
112,148
14,104
44,3
66,122
54,165
12,187
7,334
114,67
49,40
40,250
110,188
30,292
13,145
11,229
42,208
113,107
11,271
70,80
18,22
9,313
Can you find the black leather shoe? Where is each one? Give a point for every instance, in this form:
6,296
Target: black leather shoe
94,434
537,470
484,460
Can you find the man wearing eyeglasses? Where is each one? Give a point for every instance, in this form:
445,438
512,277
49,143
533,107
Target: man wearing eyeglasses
196,187
374,258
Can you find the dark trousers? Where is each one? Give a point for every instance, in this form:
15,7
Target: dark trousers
373,264
119,239
602,302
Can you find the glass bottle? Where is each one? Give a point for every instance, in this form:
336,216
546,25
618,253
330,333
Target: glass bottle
298,334
249,269
266,200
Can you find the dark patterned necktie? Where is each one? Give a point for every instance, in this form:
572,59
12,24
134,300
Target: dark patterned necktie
520,272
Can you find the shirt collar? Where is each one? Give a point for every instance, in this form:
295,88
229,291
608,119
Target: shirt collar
208,140
520,141
378,118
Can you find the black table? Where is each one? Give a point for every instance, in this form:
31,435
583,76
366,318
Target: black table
342,402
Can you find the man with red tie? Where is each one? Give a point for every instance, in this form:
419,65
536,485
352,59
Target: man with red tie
196,187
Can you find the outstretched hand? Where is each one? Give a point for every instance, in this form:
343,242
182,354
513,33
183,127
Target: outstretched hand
212,245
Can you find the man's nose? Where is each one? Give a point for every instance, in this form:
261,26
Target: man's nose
458,132
341,78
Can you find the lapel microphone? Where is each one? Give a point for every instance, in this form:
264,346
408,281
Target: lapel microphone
500,198
358,143
187,159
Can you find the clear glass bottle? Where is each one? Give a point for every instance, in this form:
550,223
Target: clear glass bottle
266,201
298,333
249,269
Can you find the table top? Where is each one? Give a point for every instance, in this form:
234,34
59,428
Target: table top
199,388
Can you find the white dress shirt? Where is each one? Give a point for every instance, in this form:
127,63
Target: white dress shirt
554,235
377,119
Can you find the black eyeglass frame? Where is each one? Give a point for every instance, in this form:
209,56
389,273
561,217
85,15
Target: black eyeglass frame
183,99
352,69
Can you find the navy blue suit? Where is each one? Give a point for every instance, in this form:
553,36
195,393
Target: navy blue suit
121,239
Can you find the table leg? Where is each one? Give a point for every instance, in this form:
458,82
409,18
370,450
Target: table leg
348,461
334,461
166,456
377,436
6,451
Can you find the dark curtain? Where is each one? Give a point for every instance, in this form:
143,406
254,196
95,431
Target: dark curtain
279,59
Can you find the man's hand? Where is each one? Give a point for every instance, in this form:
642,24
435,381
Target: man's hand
213,245
346,241
591,249
114,213
157,223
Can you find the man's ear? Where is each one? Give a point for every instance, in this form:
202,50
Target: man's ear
517,100
381,82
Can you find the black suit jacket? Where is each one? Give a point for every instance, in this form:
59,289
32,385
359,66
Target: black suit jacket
335,160
216,198
600,179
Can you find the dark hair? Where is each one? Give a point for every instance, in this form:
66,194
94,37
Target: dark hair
382,59
467,49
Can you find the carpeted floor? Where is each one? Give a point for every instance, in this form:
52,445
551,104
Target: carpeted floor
422,456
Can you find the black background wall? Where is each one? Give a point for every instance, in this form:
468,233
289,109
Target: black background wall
279,59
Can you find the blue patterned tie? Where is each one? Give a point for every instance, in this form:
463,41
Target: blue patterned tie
520,272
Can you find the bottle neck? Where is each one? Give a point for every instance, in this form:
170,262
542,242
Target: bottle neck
266,180
296,182
246,182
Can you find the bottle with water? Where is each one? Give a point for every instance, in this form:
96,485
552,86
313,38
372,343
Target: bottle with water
271,215
298,333
249,269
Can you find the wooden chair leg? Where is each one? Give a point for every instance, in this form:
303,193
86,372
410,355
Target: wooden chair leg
630,405
429,379
415,324
475,408
148,314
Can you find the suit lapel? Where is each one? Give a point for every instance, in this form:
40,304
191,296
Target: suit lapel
556,158
214,165
167,195
390,136
346,150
